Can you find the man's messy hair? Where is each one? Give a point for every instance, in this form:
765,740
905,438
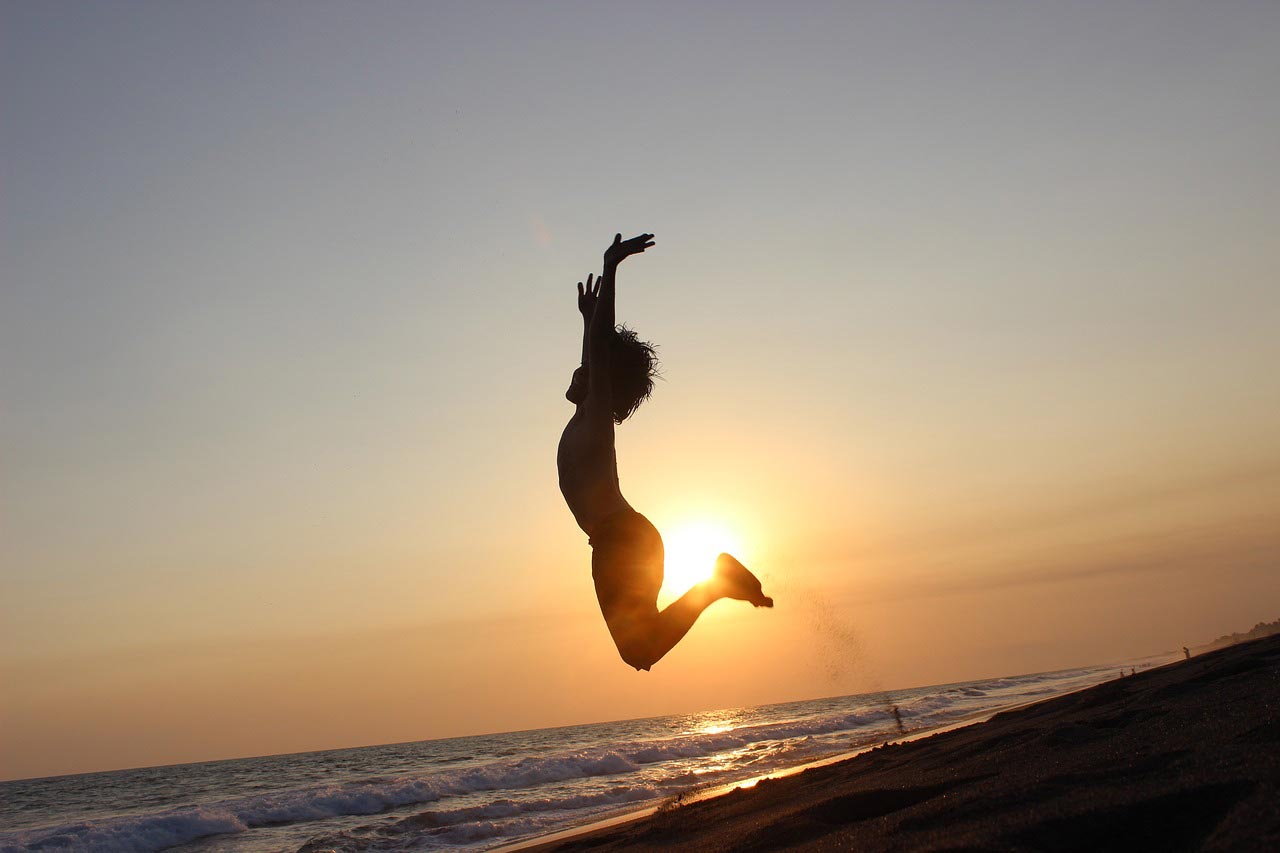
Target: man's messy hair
633,365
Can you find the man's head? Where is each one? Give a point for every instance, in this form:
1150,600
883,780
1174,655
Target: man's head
633,364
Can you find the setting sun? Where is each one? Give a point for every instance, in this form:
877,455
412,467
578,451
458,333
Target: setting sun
691,551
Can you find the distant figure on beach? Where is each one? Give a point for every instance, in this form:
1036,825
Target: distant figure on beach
897,718
615,377
1186,653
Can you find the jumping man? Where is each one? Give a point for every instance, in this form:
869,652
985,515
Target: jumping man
616,376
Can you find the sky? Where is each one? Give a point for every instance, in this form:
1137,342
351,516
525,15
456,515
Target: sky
967,313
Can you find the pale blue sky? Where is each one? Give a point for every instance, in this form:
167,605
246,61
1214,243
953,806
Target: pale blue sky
288,304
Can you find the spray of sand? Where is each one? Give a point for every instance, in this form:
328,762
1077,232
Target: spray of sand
836,648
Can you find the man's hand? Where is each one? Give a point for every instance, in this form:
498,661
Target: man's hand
621,249
587,296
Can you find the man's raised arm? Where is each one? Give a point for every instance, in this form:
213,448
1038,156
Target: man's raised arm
599,381
603,321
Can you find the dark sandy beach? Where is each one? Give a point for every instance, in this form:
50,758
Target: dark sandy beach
1184,757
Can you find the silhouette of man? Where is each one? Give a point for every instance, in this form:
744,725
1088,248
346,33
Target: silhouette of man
615,377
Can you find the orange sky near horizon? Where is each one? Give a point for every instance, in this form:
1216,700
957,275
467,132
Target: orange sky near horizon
967,316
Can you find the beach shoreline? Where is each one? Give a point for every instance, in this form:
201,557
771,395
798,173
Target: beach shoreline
1183,756
485,791
694,795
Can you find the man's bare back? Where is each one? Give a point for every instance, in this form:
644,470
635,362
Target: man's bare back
627,553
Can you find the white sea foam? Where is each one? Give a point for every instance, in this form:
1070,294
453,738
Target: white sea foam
140,833
504,817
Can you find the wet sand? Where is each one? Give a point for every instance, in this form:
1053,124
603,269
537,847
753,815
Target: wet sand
1184,757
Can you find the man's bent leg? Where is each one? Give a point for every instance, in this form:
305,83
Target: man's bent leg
643,638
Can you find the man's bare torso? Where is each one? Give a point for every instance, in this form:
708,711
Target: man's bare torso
588,467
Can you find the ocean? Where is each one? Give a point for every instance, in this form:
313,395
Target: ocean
484,791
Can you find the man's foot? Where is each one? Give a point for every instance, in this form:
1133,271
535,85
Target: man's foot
737,582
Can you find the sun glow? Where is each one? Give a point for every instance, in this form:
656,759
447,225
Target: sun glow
691,551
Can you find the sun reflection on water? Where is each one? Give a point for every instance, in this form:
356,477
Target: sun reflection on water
713,722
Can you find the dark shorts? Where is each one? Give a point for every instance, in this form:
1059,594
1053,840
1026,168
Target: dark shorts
626,560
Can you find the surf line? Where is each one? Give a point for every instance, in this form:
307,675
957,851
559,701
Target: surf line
696,795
